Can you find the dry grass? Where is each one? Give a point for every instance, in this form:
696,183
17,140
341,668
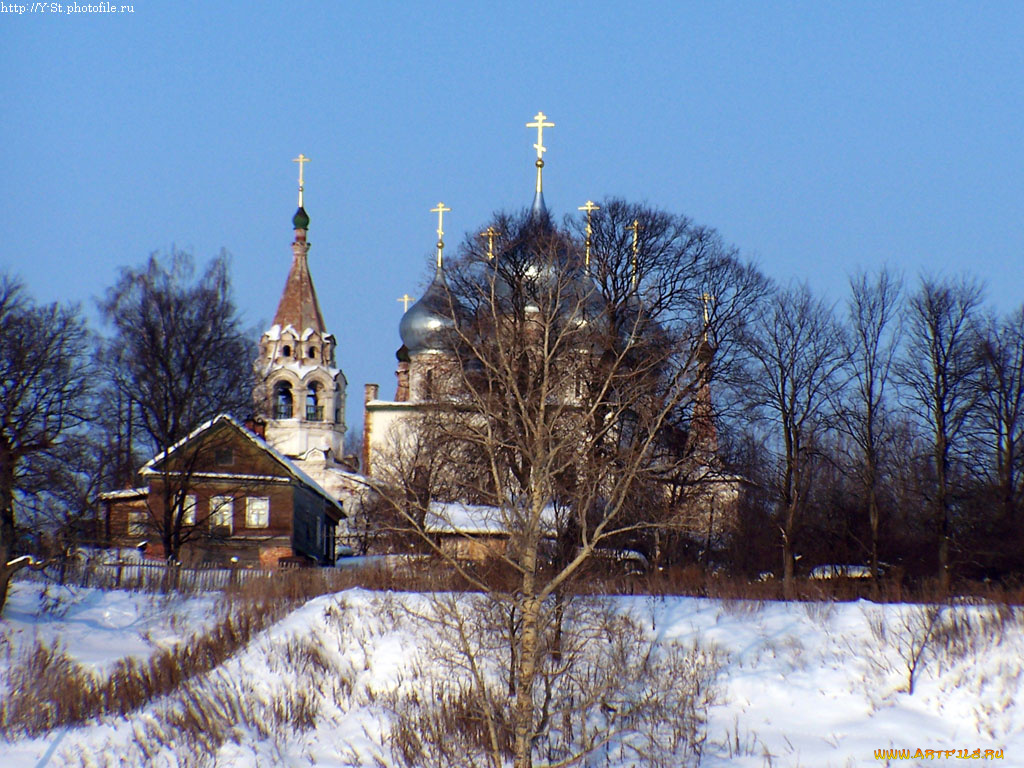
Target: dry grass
48,689
605,691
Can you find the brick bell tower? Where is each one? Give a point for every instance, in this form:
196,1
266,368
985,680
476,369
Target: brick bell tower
302,395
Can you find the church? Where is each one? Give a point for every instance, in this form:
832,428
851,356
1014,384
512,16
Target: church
301,396
303,393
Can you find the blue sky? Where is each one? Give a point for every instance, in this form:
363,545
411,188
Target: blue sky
817,137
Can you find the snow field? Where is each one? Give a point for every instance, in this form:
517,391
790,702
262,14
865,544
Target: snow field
814,685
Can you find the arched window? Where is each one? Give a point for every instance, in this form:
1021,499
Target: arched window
283,400
312,353
287,351
314,411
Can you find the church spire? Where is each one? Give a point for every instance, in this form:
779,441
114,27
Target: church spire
299,306
540,123
301,220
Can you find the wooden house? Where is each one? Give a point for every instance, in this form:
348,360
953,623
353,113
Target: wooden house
235,499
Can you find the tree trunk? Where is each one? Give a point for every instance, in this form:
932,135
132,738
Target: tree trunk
873,516
529,641
942,502
523,713
787,561
7,532
5,577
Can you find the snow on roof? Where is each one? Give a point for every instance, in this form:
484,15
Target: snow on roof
288,464
275,332
302,371
841,572
125,493
476,519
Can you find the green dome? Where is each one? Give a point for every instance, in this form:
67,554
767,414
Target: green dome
301,219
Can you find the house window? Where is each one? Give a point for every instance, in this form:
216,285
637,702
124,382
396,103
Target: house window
137,521
283,400
222,512
188,510
257,512
224,457
314,411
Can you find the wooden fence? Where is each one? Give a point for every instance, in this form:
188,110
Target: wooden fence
142,576
387,572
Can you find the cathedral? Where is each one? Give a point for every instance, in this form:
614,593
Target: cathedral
280,490
302,394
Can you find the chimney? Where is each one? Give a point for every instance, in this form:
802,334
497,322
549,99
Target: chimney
257,426
370,393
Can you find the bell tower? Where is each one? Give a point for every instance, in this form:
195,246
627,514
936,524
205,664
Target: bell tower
302,396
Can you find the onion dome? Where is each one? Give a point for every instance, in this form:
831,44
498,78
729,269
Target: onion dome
301,219
429,324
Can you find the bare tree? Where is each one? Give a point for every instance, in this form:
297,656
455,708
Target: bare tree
1001,407
937,371
177,357
796,355
44,384
555,411
872,342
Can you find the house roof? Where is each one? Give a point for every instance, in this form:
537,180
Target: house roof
149,468
478,520
124,493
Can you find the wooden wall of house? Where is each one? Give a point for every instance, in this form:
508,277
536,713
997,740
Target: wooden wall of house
314,530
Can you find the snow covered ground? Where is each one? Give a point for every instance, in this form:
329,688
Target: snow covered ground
814,685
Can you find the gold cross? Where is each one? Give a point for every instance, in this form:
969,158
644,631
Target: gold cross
440,209
405,299
635,226
540,124
301,160
707,299
590,207
490,233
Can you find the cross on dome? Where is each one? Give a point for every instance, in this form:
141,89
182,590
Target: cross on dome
440,209
589,207
490,233
540,124
301,160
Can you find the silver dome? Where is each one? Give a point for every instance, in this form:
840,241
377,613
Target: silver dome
430,322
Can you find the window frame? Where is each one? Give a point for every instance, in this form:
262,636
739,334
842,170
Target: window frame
188,509
221,508
250,504
138,521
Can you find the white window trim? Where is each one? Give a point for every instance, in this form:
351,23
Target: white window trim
252,503
222,512
188,510
138,520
